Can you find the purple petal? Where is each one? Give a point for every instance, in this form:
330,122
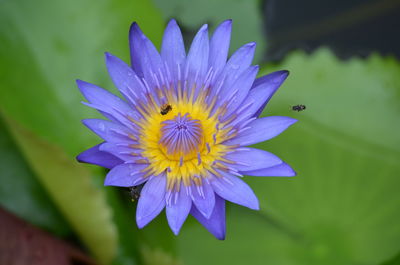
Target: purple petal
125,79
233,189
204,198
219,46
251,159
124,153
241,88
216,224
145,58
240,61
197,59
236,65
281,170
177,211
126,175
151,201
173,49
95,156
135,40
111,106
269,83
109,131
261,130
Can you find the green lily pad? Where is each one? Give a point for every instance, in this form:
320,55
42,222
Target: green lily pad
344,205
71,187
21,192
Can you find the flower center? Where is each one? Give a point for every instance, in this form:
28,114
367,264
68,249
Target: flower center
181,138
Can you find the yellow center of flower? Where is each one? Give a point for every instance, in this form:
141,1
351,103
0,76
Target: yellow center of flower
183,139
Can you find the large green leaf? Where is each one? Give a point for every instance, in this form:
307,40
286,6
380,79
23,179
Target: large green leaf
71,187
344,205
45,45
246,15
21,193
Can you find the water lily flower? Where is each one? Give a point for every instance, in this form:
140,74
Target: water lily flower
184,124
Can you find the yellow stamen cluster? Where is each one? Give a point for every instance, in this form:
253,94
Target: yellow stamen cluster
193,166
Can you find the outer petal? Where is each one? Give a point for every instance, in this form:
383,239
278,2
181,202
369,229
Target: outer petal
281,170
219,46
240,89
252,159
135,44
197,59
125,79
95,156
125,175
151,201
124,153
261,130
240,60
270,83
204,198
236,65
111,106
233,189
177,211
146,60
173,49
109,131
216,224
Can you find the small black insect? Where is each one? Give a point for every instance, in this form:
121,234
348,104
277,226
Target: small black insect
135,192
165,109
299,108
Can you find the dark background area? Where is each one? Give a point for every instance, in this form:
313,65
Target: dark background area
349,28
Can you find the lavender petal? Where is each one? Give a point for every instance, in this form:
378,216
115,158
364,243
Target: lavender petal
151,201
233,189
203,198
126,175
173,49
281,170
96,157
262,129
216,224
219,46
251,159
177,211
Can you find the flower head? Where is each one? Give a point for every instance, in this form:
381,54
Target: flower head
184,124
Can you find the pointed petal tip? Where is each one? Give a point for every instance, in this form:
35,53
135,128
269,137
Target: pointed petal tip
134,25
108,55
81,85
285,73
139,222
203,28
175,230
86,122
226,23
172,21
256,207
79,158
135,29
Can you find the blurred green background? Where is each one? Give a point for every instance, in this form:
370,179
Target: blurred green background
343,207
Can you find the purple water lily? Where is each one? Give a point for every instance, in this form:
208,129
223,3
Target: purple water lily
184,124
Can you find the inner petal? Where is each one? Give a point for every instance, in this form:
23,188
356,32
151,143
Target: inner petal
181,137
